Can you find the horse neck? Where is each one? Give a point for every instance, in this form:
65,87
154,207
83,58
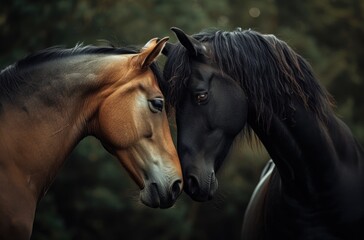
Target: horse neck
46,125
309,153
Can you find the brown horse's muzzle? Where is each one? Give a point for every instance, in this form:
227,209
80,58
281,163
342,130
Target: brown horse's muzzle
157,194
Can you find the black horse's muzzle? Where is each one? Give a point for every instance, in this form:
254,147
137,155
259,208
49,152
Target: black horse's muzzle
201,188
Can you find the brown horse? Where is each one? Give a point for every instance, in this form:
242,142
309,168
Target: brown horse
50,100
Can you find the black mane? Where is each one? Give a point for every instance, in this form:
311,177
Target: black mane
268,70
12,77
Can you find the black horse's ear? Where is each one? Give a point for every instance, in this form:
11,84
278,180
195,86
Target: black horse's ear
167,49
193,46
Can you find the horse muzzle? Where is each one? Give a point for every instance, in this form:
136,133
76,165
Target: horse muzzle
158,195
201,189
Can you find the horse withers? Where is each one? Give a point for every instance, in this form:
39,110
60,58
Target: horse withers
52,99
221,81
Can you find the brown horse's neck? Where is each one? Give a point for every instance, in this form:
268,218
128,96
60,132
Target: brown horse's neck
46,126
35,156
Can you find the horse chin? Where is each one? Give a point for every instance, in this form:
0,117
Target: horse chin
149,196
201,198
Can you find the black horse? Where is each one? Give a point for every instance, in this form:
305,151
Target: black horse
220,81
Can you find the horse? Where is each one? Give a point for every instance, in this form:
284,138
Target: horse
52,99
220,83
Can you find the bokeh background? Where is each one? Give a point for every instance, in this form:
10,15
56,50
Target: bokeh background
93,197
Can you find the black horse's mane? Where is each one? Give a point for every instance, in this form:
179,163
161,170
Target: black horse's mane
269,71
12,78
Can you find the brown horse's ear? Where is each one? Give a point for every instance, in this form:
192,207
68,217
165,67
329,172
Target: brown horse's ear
193,46
151,51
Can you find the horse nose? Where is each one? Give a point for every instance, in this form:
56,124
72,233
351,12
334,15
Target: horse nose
201,190
176,189
192,184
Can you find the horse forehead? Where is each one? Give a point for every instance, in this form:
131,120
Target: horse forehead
201,72
122,70
147,81
147,76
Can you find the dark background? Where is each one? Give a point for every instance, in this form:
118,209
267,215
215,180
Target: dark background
93,197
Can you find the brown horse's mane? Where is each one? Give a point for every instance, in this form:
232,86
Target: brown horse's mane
269,71
14,77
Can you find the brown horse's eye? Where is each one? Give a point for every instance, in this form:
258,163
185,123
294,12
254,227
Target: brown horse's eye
201,97
156,105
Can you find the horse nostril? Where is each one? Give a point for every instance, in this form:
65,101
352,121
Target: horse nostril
192,184
176,189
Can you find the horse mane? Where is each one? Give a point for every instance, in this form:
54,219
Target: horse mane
269,71
12,78
57,52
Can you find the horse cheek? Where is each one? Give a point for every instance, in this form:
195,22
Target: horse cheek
117,124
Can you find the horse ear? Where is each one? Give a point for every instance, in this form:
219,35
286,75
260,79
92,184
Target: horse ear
151,51
193,46
167,48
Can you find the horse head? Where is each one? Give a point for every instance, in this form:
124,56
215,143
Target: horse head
211,109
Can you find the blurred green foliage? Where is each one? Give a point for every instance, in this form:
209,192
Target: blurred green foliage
92,197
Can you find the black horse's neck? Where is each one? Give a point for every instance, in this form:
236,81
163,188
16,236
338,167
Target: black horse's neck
317,190
309,153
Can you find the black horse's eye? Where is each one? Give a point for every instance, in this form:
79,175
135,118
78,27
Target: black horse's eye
156,105
201,97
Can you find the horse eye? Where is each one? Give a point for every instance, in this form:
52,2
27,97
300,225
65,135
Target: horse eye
156,105
201,97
